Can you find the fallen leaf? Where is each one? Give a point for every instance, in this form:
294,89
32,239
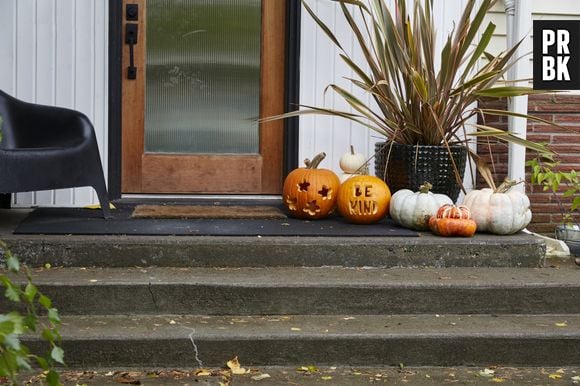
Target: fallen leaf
575,379
562,324
326,378
235,366
97,206
172,322
202,373
260,377
497,380
486,373
296,329
561,371
349,318
308,369
555,376
109,374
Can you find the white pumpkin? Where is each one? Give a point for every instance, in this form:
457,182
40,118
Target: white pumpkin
501,212
413,209
352,162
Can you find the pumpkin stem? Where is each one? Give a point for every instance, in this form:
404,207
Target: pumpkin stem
352,150
506,185
425,188
315,161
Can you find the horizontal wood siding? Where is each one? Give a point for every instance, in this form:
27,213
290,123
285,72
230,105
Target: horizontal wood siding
54,52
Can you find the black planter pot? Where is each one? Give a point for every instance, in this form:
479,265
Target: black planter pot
409,166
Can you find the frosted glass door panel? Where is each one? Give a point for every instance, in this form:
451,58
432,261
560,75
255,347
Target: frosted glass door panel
203,76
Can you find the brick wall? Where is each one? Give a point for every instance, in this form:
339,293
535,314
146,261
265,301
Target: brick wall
562,109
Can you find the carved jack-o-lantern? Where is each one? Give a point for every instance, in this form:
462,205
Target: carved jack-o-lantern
364,199
310,192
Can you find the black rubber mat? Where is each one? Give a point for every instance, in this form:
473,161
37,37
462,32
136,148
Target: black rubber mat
77,221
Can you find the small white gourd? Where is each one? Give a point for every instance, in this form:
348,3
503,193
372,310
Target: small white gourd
352,164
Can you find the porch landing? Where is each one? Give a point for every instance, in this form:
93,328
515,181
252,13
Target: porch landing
518,250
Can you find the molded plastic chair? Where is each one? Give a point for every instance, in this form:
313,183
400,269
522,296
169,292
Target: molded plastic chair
46,147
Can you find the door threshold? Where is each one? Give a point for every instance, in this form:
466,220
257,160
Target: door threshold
198,198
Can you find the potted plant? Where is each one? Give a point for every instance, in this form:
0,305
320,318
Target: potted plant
565,188
420,107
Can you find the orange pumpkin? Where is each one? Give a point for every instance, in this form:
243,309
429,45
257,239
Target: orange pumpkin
453,220
364,199
309,192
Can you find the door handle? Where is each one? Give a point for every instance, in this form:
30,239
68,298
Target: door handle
131,30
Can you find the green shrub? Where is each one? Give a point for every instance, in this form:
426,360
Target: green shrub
15,356
546,173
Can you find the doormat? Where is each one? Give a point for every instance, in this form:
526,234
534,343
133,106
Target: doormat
207,212
79,221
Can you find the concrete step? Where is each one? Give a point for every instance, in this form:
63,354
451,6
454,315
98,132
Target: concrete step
519,250
368,340
322,291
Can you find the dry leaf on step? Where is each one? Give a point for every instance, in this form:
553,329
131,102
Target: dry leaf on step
235,366
260,377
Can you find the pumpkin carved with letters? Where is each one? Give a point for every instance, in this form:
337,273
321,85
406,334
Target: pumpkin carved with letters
364,199
309,192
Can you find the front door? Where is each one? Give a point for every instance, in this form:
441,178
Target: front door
197,74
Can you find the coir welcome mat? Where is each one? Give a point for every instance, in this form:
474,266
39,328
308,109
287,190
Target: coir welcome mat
78,221
208,212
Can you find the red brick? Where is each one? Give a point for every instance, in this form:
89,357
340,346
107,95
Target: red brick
538,137
564,118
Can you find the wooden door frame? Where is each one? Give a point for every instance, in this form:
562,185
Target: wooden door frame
291,82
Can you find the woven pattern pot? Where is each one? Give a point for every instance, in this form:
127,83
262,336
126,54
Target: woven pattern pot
410,166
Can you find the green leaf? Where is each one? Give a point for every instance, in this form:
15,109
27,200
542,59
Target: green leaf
12,294
569,192
555,185
22,363
48,335
57,354
576,203
45,301
12,263
11,341
42,362
53,315
6,327
321,24
507,91
30,321
52,378
30,292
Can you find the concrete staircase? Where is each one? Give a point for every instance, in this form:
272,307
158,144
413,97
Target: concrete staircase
426,301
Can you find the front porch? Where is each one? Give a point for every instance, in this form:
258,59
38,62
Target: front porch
142,301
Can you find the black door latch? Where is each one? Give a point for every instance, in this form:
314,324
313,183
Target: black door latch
131,39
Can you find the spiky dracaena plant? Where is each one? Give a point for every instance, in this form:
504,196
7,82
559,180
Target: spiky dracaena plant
418,101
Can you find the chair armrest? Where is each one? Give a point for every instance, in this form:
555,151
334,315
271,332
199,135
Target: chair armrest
33,126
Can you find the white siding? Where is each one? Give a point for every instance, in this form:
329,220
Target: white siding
55,52
320,66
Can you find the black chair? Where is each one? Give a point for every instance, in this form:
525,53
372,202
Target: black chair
46,147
